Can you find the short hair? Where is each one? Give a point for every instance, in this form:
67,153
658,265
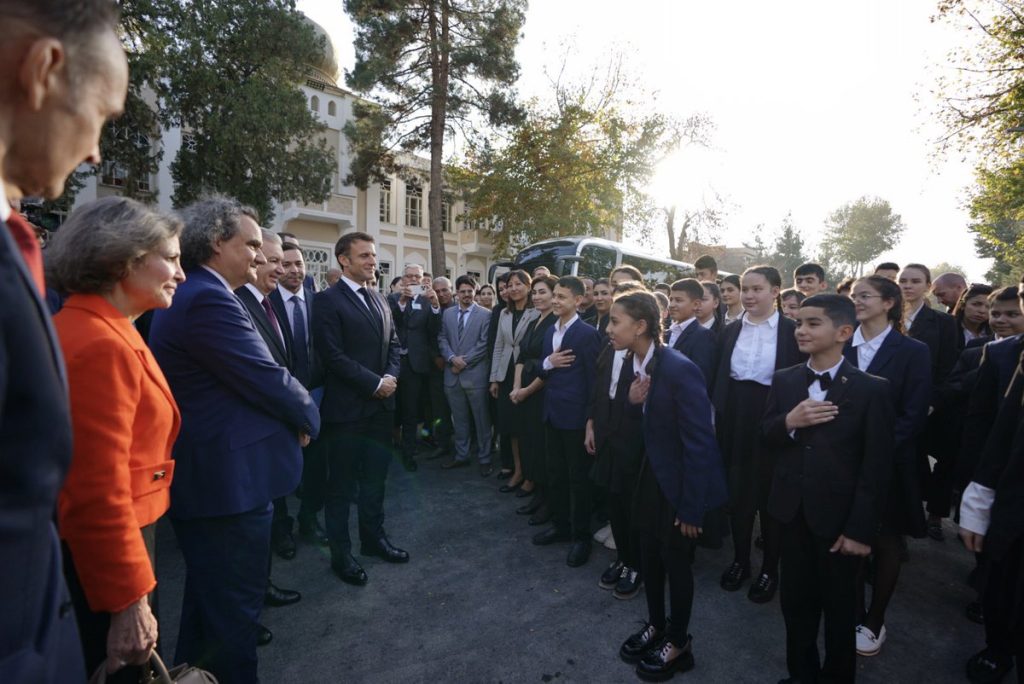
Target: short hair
633,271
419,266
641,305
586,278
923,269
690,287
1005,294
706,261
271,236
289,245
465,280
573,284
887,266
396,280
286,236
662,287
548,280
629,286
206,221
846,284
101,242
662,298
840,310
953,277
792,292
344,243
810,269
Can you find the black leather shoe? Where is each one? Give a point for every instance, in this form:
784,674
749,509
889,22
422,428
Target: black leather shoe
505,474
382,548
734,577
579,554
523,493
349,571
541,517
663,661
263,635
975,613
610,577
277,597
454,463
314,533
763,589
551,536
506,488
284,544
531,507
988,667
637,645
486,469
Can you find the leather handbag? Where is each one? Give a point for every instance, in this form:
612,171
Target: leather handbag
159,674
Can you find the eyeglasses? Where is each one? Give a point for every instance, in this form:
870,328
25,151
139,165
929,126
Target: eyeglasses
864,297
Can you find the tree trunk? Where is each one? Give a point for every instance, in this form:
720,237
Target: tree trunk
670,220
439,52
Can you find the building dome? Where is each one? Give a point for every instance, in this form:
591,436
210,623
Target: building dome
327,67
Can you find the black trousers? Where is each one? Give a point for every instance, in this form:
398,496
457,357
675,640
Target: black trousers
672,558
93,627
313,490
358,459
440,412
816,581
570,491
1003,603
620,510
410,398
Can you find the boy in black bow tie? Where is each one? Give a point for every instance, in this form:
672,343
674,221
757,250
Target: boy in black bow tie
831,429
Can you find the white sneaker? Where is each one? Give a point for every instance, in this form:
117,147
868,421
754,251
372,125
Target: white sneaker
867,643
602,534
609,543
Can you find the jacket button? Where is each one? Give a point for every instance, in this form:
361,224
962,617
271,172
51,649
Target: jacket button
159,475
65,609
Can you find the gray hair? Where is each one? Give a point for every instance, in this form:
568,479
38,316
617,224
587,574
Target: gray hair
102,241
271,236
417,266
206,221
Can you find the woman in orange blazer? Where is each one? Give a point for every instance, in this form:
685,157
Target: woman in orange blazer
116,259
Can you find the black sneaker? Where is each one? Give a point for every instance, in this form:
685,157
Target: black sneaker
734,577
988,667
610,577
629,584
662,662
637,645
763,590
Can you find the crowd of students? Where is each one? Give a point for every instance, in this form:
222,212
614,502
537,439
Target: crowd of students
837,423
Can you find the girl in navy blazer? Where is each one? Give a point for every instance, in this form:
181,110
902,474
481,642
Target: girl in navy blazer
752,348
681,479
879,347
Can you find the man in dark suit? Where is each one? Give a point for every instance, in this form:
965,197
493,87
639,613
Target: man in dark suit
414,309
244,419
570,359
63,74
293,303
439,412
587,311
830,427
355,337
685,334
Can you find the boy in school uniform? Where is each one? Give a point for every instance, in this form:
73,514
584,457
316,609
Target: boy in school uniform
684,334
570,358
831,429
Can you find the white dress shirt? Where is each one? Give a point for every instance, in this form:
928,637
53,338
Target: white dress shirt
709,324
355,287
814,390
5,208
908,320
753,357
559,335
259,300
222,279
866,349
640,365
617,360
676,329
292,300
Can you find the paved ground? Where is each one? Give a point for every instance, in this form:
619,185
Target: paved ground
479,603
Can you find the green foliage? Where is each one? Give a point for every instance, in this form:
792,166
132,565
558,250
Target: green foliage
789,249
861,230
433,66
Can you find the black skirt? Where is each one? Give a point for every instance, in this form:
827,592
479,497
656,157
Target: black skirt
510,416
739,434
532,445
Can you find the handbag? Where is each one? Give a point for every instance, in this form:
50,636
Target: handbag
159,674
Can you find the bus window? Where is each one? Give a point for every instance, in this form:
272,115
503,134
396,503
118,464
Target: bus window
598,261
545,254
654,272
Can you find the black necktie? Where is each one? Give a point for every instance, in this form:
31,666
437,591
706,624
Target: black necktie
369,303
462,321
824,379
299,335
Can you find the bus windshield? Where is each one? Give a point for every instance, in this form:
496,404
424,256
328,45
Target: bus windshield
546,254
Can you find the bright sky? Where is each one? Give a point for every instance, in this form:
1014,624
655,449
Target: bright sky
815,104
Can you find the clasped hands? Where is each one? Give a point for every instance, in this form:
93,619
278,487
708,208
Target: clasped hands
388,385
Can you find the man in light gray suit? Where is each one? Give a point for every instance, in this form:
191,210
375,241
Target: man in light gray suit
463,345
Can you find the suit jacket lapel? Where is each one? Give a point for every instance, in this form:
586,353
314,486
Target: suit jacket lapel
840,383
360,305
885,353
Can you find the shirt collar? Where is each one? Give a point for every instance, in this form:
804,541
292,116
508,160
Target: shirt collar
352,285
640,367
831,371
876,341
256,293
218,276
288,294
913,314
683,325
572,320
772,321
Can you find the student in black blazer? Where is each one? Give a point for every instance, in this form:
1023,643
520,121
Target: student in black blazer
354,335
939,331
830,427
971,314
685,334
751,349
602,304
681,480
878,347
709,314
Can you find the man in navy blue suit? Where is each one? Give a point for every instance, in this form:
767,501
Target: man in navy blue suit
63,75
355,338
244,419
570,358
695,341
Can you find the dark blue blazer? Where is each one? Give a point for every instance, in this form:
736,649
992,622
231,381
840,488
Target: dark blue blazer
567,390
241,412
38,636
939,331
312,375
679,437
356,350
698,343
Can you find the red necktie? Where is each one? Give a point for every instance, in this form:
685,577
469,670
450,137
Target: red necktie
28,245
273,318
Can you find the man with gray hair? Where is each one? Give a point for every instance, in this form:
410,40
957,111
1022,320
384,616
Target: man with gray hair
63,75
244,421
948,288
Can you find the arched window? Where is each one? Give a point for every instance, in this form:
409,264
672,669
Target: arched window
332,109
314,104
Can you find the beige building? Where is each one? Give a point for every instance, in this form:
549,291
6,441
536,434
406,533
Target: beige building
393,212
